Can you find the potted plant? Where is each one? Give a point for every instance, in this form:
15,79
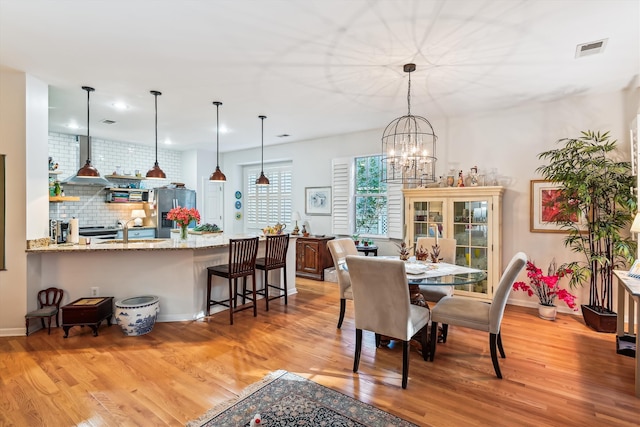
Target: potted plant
547,289
356,239
598,203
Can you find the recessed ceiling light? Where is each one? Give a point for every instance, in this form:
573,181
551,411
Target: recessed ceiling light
167,141
121,106
73,126
223,129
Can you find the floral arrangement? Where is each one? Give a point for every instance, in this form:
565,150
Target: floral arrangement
183,216
546,287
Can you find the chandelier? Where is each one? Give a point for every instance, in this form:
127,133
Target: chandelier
409,147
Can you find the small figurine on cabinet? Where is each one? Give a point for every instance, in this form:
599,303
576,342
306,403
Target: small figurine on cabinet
305,233
473,177
460,179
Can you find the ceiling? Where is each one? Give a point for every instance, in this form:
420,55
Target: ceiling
315,68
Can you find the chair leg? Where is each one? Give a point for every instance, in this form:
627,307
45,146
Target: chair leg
50,320
209,294
425,342
255,298
27,324
378,340
343,306
493,338
500,345
434,339
356,356
232,296
445,332
266,288
405,363
57,318
244,290
286,291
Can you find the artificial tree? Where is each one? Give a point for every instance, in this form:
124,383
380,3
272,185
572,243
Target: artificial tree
598,188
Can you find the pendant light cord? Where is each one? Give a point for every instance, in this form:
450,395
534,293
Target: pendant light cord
156,96
262,146
217,133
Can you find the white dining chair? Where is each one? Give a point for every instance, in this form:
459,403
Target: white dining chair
339,249
381,305
480,315
448,255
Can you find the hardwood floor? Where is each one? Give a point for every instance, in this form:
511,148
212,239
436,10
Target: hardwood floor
556,373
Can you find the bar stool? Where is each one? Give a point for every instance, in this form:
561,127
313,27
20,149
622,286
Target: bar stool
275,257
242,263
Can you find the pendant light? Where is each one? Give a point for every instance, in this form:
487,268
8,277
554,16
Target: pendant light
262,180
409,147
88,171
217,175
155,172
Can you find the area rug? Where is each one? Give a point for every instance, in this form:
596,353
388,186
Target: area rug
284,399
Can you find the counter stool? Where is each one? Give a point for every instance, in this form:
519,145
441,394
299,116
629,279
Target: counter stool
275,257
242,263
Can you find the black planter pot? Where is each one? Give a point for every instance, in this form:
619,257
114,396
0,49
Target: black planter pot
599,320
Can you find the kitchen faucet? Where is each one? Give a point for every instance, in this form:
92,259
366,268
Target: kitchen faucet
125,230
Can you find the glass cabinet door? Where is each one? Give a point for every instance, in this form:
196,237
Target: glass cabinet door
427,217
470,229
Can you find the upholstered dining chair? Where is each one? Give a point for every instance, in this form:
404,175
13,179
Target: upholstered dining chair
477,314
242,263
448,255
48,306
381,305
339,249
275,258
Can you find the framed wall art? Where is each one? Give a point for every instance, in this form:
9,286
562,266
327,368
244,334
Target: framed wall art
546,202
317,200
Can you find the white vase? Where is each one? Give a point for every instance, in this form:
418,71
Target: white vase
547,312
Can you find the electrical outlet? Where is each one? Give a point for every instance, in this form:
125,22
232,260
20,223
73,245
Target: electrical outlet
95,291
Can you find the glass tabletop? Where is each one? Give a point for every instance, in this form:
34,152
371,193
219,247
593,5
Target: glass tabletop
449,280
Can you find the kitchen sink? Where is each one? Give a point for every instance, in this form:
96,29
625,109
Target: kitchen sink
135,241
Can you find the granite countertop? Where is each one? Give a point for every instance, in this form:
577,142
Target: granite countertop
195,241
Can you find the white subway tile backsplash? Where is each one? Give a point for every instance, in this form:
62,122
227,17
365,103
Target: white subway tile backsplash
106,156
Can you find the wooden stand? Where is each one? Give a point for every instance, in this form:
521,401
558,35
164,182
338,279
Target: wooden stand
87,311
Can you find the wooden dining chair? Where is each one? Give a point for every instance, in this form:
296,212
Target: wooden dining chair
480,315
275,257
48,306
448,255
339,249
381,305
242,263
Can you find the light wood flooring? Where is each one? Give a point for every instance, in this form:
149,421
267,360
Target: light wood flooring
556,373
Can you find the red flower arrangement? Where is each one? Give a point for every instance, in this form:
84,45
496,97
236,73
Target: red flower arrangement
183,216
546,287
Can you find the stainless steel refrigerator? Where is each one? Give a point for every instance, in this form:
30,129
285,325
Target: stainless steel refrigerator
166,199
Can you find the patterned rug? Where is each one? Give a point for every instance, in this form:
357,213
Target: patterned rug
283,399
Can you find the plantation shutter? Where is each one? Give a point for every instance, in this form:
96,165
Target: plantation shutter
342,196
395,214
268,205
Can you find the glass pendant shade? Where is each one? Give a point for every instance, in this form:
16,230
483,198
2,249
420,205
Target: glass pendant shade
262,179
155,172
409,147
217,175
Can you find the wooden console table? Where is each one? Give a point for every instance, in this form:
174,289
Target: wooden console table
87,312
628,340
312,257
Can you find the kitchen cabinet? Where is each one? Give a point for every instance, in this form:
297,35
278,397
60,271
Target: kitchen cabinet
139,233
472,216
312,257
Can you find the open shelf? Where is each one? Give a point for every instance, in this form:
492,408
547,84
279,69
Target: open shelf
58,199
131,177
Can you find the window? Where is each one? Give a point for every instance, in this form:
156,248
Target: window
271,204
370,196
357,192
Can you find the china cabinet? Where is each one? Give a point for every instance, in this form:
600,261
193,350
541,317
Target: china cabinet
472,216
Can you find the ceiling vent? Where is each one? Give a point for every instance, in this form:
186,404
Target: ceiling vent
107,121
591,48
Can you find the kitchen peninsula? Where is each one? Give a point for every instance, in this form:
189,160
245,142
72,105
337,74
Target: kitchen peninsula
174,271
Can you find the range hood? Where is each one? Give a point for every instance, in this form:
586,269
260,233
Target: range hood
98,181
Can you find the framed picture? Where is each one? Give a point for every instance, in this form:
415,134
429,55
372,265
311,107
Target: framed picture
317,200
546,201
